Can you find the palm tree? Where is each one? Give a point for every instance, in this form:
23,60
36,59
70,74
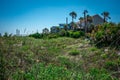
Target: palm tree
105,16
89,22
89,18
85,19
81,18
73,15
0,35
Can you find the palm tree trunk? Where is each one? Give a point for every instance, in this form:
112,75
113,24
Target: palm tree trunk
72,19
85,22
104,19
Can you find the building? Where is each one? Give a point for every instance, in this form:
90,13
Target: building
80,25
17,32
55,29
96,20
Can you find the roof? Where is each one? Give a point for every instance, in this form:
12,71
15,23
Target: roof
96,20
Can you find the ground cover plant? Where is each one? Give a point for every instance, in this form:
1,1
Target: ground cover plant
68,55
59,58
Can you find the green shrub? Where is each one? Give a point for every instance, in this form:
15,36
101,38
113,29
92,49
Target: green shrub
64,61
74,52
36,35
104,56
62,32
93,48
99,35
76,35
82,33
69,33
111,65
50,36
6,34
107,34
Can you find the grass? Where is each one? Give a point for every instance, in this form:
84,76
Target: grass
74,52
52,72
55,59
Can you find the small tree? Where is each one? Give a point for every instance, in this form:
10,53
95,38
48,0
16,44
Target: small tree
62,32
5,34
45,31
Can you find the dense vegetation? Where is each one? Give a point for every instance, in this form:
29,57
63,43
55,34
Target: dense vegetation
68,53
106,35
61,33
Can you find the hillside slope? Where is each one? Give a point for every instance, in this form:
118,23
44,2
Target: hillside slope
25,58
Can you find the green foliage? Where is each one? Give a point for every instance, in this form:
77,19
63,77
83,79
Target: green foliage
73,15
26,58
110,65
51,72
62,32
99,74
104,56
99,35
93,49
107,34
74,52
5,35
50,36
36,35
75,34
64,61
47,72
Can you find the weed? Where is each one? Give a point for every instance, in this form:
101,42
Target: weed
74,52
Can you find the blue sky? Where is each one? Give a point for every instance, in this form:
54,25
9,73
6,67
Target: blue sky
34,15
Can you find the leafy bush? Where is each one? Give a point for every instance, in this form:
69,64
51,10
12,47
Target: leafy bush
74,52
75,34
62,32
99,35
69,33
93,48
36,35
6,34
107,34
